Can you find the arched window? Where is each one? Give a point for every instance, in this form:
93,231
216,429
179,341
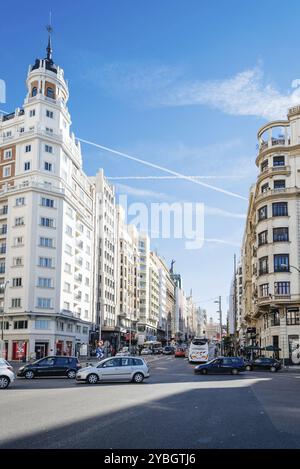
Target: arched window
50,92
34,91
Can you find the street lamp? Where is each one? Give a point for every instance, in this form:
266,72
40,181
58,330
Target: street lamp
219,301
3,286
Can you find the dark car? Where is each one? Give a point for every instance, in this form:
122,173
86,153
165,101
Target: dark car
51,366
263,363
232,365
168,350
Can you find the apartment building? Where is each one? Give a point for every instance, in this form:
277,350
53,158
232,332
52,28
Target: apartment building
271,243
46,222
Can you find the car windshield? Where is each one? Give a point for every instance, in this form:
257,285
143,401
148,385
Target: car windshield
199,341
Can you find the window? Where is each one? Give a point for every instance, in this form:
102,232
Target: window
280,234
85,330
6,171
44,303
4,209
279,209
27,148
279,184
67,268
86,298
20,324
48,149
67,287
7,154
17,282
47,166
3,229
22,129
2,267
16,303
2,248
19,221
263,265
78,329
68,249
46,242
293,316
263,237
282,288
66,305
263,212
44,282
87,265
32,113
49,114
265,187
27,166
41,324
49,130
18,241
274,318
17,261
278,160
48,222
60,325
20,201
45,262
70,327
34,91
50,92
281,263
69,230
264,165
47,202
264,290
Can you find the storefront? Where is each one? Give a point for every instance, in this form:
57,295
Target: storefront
41,349
19,350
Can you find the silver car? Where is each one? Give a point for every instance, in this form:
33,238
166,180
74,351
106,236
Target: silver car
115,369
7,375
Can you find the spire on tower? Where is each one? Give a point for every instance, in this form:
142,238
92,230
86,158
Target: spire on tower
49,46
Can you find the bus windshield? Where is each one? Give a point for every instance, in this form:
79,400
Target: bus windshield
199,341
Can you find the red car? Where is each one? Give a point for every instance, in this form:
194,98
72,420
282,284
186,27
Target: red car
180,352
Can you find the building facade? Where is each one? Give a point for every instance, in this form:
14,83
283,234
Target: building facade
272,243
46,223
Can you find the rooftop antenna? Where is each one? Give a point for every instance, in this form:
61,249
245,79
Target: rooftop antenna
50,31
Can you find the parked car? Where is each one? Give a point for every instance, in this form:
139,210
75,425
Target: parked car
180,352
168,350
263,363
124,352
115,369
146,351
7,375
51,366
221,365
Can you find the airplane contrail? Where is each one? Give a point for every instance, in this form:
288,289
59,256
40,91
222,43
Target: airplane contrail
124,178
162,168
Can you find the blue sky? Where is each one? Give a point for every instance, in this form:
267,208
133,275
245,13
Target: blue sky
180,83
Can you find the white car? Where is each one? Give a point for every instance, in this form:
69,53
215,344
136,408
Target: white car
7,375
115,369
146,351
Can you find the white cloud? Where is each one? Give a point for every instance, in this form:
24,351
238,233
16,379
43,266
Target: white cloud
222,241
218,212
143,193
245,94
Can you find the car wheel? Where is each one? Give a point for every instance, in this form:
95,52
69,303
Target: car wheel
272,369
138,378
29,374
248,368
204,372
235,371
71,374
92,379
4,382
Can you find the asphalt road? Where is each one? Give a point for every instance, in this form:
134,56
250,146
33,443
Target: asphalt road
172,409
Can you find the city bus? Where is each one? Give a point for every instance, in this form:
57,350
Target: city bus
198,350
153,345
